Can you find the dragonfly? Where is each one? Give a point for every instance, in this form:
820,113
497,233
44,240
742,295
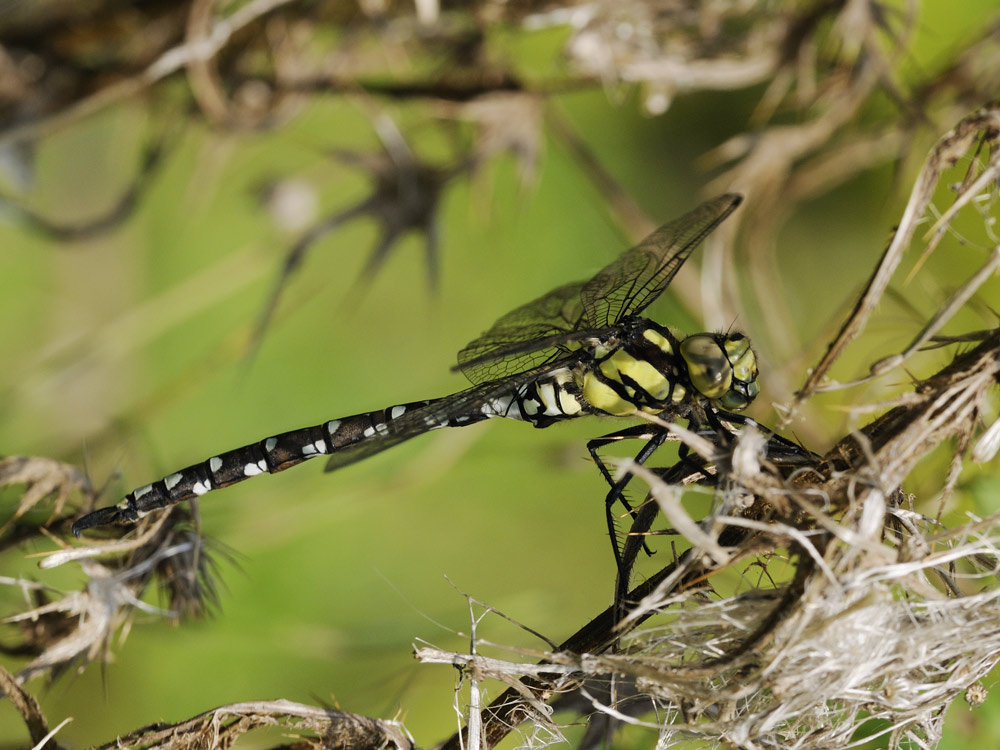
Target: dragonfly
582,349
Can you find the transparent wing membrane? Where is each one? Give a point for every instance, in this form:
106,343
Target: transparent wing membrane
525,337
640,275
547,328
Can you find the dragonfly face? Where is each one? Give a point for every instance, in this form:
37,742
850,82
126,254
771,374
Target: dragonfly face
722,368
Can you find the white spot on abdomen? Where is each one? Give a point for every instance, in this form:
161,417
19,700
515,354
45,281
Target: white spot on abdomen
311,449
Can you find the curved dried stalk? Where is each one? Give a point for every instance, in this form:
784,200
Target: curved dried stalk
980,128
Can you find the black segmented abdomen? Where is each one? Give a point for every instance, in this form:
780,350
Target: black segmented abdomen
271,455
540,398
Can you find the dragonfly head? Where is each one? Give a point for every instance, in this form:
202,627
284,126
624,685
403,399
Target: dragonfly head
722,367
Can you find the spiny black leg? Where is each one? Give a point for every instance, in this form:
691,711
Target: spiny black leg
777,446
634,541
694,462
638,432
780,450
683,472
686,466
656,437
743,420
712,420
689,465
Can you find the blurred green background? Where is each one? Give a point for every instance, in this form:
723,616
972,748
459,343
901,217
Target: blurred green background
124,353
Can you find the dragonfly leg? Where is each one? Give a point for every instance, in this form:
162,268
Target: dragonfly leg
682,473
778,447
616,493
634,542
637,432
690,467
655,437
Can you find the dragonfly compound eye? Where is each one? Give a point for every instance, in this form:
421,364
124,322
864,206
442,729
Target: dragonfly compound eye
708,365
741,358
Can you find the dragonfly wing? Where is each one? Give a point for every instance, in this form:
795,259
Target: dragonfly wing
638,276
524,338
550,327
369,447
485,401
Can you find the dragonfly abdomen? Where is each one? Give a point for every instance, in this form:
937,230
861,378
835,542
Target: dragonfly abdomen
271,455
550,398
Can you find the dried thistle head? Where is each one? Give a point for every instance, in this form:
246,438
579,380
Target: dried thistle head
61,629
